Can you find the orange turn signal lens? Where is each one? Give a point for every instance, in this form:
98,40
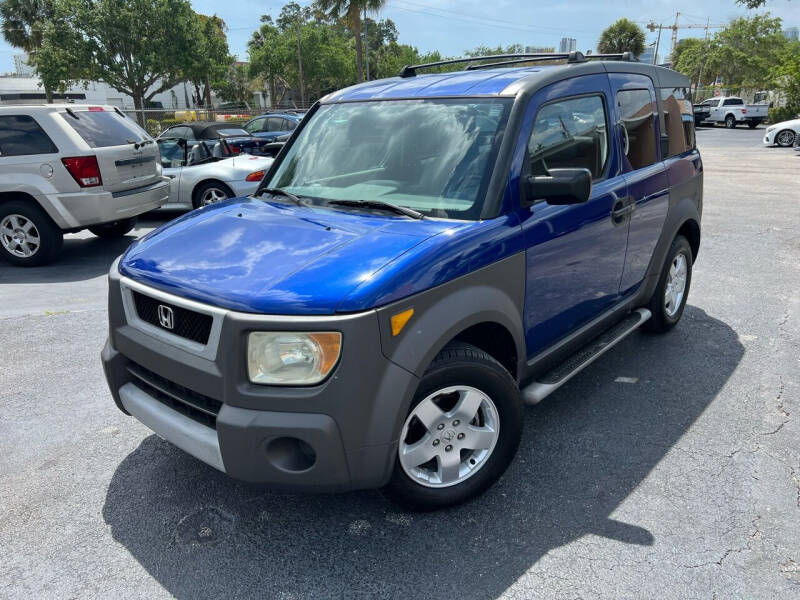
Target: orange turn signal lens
255,176
400,319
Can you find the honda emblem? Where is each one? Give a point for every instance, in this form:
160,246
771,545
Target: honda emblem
166,317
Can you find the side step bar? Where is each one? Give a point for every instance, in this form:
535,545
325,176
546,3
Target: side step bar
538,390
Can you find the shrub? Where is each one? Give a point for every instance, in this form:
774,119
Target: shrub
784,113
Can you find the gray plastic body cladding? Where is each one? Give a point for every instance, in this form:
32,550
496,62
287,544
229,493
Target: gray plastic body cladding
362,398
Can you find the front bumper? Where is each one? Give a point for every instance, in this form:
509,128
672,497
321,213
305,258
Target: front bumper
339,435
769,138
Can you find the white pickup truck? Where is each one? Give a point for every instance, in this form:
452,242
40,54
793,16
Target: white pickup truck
731,111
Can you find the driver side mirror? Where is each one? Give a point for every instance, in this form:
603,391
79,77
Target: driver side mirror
559,187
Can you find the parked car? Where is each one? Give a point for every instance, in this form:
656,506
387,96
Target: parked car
271,126
422,258
238,139
202,172
731,111
66,167
783,134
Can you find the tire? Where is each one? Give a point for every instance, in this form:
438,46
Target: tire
210,192
730,122
114,229
459,379
21,223
785,138
666,315
752,124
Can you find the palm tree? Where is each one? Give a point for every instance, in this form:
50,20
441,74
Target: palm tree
23,22
349,11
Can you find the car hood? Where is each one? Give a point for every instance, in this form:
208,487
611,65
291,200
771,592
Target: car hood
272,257
793,124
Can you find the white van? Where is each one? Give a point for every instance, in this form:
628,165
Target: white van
67,167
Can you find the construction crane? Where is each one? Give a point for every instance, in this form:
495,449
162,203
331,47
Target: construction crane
652,26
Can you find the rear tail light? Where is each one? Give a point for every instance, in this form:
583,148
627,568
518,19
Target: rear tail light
255,176
236,149
96,109
744,111
84,170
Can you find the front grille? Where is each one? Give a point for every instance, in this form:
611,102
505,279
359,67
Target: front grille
196,406
186,323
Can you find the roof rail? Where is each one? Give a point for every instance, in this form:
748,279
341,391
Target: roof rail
510,59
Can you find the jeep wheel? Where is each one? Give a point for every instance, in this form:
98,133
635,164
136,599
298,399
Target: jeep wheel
785,138
115,229
28,237
462,431
730,122
210,193
669,299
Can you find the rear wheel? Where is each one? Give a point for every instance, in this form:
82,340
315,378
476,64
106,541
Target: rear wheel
669,298
730,122
461,433
28,237
114,229
752,124
210,193
785,138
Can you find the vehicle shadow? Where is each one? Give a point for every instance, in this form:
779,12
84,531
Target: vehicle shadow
585,449
84,256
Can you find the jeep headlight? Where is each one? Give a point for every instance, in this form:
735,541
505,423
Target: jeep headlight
291,358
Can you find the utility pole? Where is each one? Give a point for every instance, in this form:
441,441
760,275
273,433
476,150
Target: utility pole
658,41
366,43
674,41
300,62
700,70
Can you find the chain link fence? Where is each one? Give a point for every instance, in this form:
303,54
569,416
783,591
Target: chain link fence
156,120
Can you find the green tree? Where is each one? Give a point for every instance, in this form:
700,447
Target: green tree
350,11
622,36
787,76
236,85
292,19
269,55
210,60
23,22
746,51
138,47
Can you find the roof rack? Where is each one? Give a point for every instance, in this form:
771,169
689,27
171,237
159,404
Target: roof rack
510,59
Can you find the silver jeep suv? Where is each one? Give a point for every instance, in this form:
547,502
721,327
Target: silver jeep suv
64,168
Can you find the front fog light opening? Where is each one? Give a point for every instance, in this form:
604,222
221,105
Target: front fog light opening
292,358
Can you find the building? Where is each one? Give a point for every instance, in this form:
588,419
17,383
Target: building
647,56
792,33
568,44
539,49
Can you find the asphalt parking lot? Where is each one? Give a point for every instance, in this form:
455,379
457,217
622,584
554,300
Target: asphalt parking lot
670,468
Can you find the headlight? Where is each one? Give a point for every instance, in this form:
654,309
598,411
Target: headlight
291,358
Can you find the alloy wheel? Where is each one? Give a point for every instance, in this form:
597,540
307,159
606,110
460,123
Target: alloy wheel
212,195
19,236
449,436
676,285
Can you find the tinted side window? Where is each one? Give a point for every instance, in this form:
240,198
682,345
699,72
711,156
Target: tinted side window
637,117
101,129
254,126
289,125
172,154
733,102
21,134
570,133
678,125
274,124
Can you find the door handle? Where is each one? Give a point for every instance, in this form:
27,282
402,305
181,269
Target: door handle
622,208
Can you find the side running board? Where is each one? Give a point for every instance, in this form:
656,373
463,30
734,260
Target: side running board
554,379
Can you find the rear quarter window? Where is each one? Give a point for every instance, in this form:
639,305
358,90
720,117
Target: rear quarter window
677,131
101,129
21,135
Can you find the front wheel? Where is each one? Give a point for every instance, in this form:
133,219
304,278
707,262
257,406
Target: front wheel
669,298
114,229
730,122
210,193
785,138
461,433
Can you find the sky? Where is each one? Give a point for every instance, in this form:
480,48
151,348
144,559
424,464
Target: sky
452,26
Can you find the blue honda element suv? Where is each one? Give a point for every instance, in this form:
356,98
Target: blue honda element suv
427,254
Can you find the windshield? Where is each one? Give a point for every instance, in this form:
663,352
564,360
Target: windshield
434,156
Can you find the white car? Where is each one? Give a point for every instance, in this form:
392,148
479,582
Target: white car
784,134
67,167
202,172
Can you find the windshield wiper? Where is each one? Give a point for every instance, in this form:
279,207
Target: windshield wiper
380,205
281,192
